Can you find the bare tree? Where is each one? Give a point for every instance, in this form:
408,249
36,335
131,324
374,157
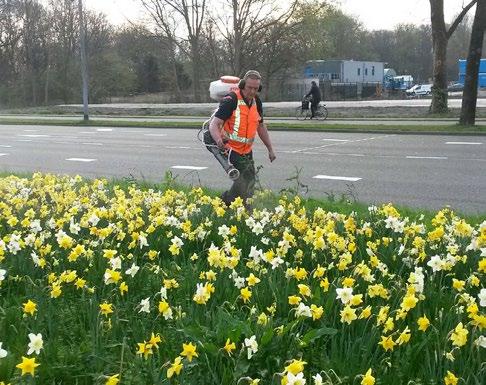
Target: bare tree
470,94
248,18
64,23
170,15
440,38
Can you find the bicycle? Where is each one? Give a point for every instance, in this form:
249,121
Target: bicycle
304,111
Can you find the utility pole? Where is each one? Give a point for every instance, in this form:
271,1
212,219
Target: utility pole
84,64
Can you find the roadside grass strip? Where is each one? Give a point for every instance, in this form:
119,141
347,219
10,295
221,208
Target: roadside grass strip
124,283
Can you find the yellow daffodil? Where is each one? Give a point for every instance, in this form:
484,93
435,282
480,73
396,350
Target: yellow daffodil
30,307
113,380
459,335
368,379
106,308
189,351
229,346
387,343
245,294
27,366
175,367
450,379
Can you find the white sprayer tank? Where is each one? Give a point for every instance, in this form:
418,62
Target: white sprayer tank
225,84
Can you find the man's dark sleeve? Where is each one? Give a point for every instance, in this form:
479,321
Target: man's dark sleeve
226,107
259,108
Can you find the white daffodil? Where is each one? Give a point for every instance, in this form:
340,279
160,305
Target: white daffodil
344,294
255,254
480,341
145,305
115,263
132,270
36,343
303,311
436,263
252,345
317,379
298,379
74,227
3,352
223,230
3,273
142,240
482,298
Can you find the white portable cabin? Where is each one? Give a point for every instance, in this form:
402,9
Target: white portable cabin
362,71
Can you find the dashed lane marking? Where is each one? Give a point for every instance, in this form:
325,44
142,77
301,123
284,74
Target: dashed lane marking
155,134
339,143
189,167
92,144
5,146
427,157
334,177
80,160
465,143
34,136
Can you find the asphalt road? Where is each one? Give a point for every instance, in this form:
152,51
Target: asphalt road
423,171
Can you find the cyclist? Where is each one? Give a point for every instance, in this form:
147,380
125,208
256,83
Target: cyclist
315,94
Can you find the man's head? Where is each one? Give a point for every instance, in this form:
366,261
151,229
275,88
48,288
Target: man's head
251,84
313,83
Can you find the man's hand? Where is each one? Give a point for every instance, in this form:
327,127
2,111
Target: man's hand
271,155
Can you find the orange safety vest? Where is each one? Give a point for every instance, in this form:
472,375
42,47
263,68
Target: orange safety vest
240,129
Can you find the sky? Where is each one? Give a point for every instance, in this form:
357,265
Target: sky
374,14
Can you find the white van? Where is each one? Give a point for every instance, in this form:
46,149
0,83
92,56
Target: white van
420,90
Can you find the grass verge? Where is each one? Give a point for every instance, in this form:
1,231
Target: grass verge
297,126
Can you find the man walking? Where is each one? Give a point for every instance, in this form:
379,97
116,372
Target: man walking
234,127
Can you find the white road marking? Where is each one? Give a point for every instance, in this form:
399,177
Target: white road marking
338,143
473,143
31,130
179,147
34,136
3,154
23,140
189,167
5,145
93,144
155,134
426,157
87,132
336,140
104,129
332,177
80,160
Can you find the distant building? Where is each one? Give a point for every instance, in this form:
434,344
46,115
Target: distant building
482,72
345,71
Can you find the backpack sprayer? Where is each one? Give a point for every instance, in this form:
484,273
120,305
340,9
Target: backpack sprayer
217,90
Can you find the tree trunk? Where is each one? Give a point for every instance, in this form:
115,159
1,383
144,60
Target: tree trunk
195,70
470,94
439,48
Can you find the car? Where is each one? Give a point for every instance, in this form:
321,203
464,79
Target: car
455,87
411,90
419,90
423,90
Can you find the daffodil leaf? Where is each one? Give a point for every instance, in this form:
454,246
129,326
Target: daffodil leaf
313,334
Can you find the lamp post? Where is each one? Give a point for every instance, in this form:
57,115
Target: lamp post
84,65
